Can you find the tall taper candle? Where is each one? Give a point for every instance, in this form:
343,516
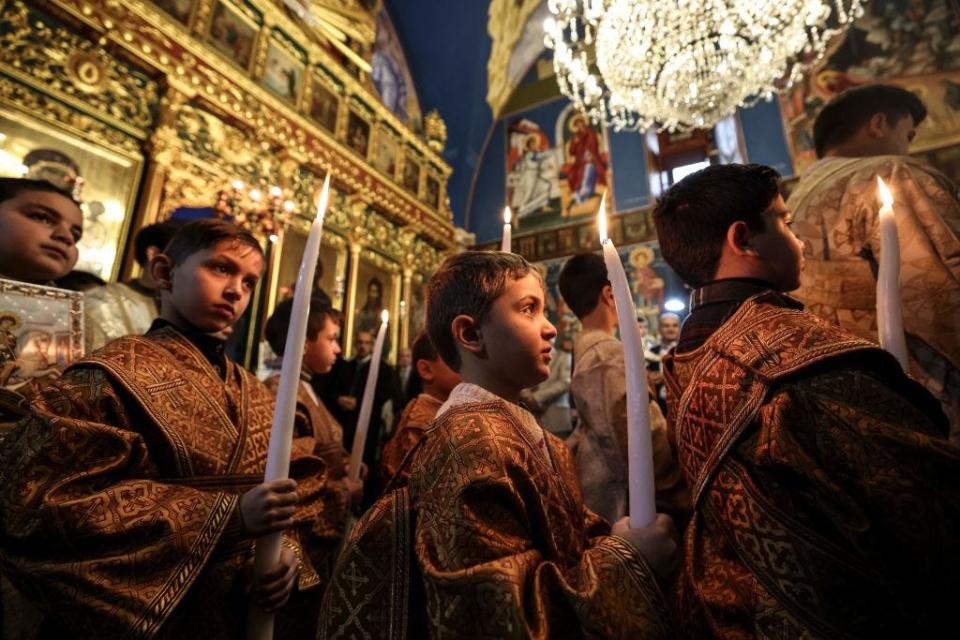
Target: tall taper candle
366,405
506,240
267,553
889,305
640,480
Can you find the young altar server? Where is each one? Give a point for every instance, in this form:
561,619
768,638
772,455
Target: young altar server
490,538
428,387
40,226
315,427
826,496
131,494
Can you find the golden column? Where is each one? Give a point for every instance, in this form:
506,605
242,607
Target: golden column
408,260
353,271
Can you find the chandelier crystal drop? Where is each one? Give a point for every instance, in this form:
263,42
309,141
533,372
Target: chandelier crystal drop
684,64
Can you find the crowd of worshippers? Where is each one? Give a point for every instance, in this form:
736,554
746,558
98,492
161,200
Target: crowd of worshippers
806,485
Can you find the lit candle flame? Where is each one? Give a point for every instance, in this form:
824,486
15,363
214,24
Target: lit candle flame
885,196
384,316
602,219
324,198
507,215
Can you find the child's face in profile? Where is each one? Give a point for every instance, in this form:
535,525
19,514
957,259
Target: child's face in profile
320,353
211,289
39,231
438,378
780,250
516,334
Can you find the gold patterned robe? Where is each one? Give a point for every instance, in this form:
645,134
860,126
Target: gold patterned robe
416,417
826,497
836,209
119,494
490,539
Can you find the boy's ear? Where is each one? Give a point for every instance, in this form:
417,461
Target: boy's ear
606,295
424,370
876,126
161,268
738,239
466,333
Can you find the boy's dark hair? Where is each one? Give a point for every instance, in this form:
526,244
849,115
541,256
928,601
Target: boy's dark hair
156,235
204,234
582,279
467,284
693,216
422,349
840,119
278,324
12,187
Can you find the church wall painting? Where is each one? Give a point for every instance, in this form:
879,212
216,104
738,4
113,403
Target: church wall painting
41,331
233,33
557,166
109,188
374,294
385,153
915,45
411,174
324,104
284,71
391,76
179,10
651,280
358,133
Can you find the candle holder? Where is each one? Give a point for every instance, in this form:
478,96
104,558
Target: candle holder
262,215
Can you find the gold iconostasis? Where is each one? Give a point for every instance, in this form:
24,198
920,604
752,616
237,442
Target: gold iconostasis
176,106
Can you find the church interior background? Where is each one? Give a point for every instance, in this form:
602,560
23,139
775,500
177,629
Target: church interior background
429,117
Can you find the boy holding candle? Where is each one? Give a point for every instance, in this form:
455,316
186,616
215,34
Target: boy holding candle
860,135
489,537
131,494
316,432
826,497
429,386
599,391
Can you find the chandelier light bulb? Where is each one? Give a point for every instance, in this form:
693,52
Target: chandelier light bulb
639,64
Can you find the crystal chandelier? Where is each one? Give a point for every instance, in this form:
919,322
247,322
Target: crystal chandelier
264,217
683,64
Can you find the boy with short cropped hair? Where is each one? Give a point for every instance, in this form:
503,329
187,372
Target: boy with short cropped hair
827,500
428,387
599,391
490,537
131,495
40,226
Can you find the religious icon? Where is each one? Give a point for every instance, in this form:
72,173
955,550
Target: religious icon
532,177
385,156
411,175
41,331
283,72
179,9
371,299
585,167
646,283
324,105
358,134
433,191
232,33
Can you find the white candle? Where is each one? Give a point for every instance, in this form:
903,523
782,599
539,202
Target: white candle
889,307
506,240
640,481
366,405
267,555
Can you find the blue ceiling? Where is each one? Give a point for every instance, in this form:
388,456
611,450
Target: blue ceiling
447,46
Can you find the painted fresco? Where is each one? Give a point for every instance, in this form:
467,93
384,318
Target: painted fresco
911,43
558,166
391,75
651,280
